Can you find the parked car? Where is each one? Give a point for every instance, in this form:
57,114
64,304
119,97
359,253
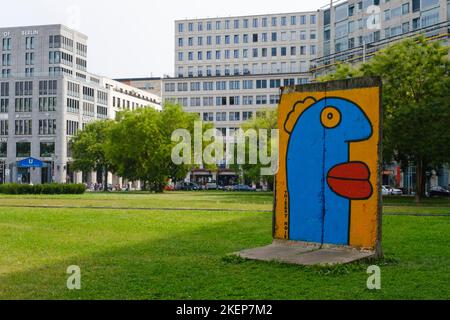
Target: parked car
243,187
390,191
385,190
211,186
188,186
439,192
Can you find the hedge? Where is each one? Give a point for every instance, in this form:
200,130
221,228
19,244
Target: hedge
52,188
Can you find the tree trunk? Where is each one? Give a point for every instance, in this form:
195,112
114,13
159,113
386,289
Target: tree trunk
105,180
420,180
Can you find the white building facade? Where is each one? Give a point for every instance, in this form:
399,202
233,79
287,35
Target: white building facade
47,96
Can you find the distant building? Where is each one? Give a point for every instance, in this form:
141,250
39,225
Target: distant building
230,69
152,84
46,96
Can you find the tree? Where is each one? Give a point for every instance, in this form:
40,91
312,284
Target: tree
415,101
88,149
140,145
267,120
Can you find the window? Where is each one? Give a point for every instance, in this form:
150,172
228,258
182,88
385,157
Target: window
4,89
180,28
221,116
6,59
3,149
293,20
221,101
47,104
47,127
341,12
274,21
274,36
4,105
6,44
313,19
427,4
261,84
208,86
234,101
247,84
234,85
195,102
47,149
247,100
416,5
221,85
274,52
430,18
260,100
235,116
247,115
275,83
73,106
303,19
23,127
23,149
23,104
274,99
72,127
29,43
283,21
255,37
405,8
3,127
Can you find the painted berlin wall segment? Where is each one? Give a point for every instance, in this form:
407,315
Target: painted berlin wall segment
328,184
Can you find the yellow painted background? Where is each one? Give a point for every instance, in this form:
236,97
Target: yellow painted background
364,217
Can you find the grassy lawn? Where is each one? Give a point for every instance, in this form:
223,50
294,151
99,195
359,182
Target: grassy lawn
170,254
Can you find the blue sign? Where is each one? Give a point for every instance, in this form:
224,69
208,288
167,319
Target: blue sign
30,163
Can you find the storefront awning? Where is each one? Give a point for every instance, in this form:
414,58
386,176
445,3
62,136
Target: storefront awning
30,163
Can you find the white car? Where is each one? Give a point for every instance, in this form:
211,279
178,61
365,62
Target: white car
389,191
385,190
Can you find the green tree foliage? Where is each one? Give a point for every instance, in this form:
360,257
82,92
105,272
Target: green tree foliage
88,149
140,146
415,76
267,120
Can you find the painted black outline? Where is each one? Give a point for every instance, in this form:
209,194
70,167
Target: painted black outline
293,111
344,179
340,117
345,141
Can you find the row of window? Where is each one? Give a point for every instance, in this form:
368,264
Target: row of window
246,38
47,104
426,20
244,69
245,23
231,85
226,116
25,127
226,101
23,149
247,53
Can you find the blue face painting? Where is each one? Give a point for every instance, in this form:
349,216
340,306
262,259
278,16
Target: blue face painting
321,181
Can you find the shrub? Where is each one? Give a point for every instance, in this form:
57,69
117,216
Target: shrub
52,188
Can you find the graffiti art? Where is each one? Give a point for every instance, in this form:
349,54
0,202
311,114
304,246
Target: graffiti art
327,188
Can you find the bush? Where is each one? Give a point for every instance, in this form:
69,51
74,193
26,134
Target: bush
52,188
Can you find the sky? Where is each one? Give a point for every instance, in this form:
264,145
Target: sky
135,38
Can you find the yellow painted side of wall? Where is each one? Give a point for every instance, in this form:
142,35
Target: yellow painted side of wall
364,218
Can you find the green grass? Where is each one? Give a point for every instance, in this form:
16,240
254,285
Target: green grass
169,254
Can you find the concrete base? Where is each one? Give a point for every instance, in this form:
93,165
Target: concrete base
306,254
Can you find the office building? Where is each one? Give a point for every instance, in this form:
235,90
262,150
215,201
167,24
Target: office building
46,96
